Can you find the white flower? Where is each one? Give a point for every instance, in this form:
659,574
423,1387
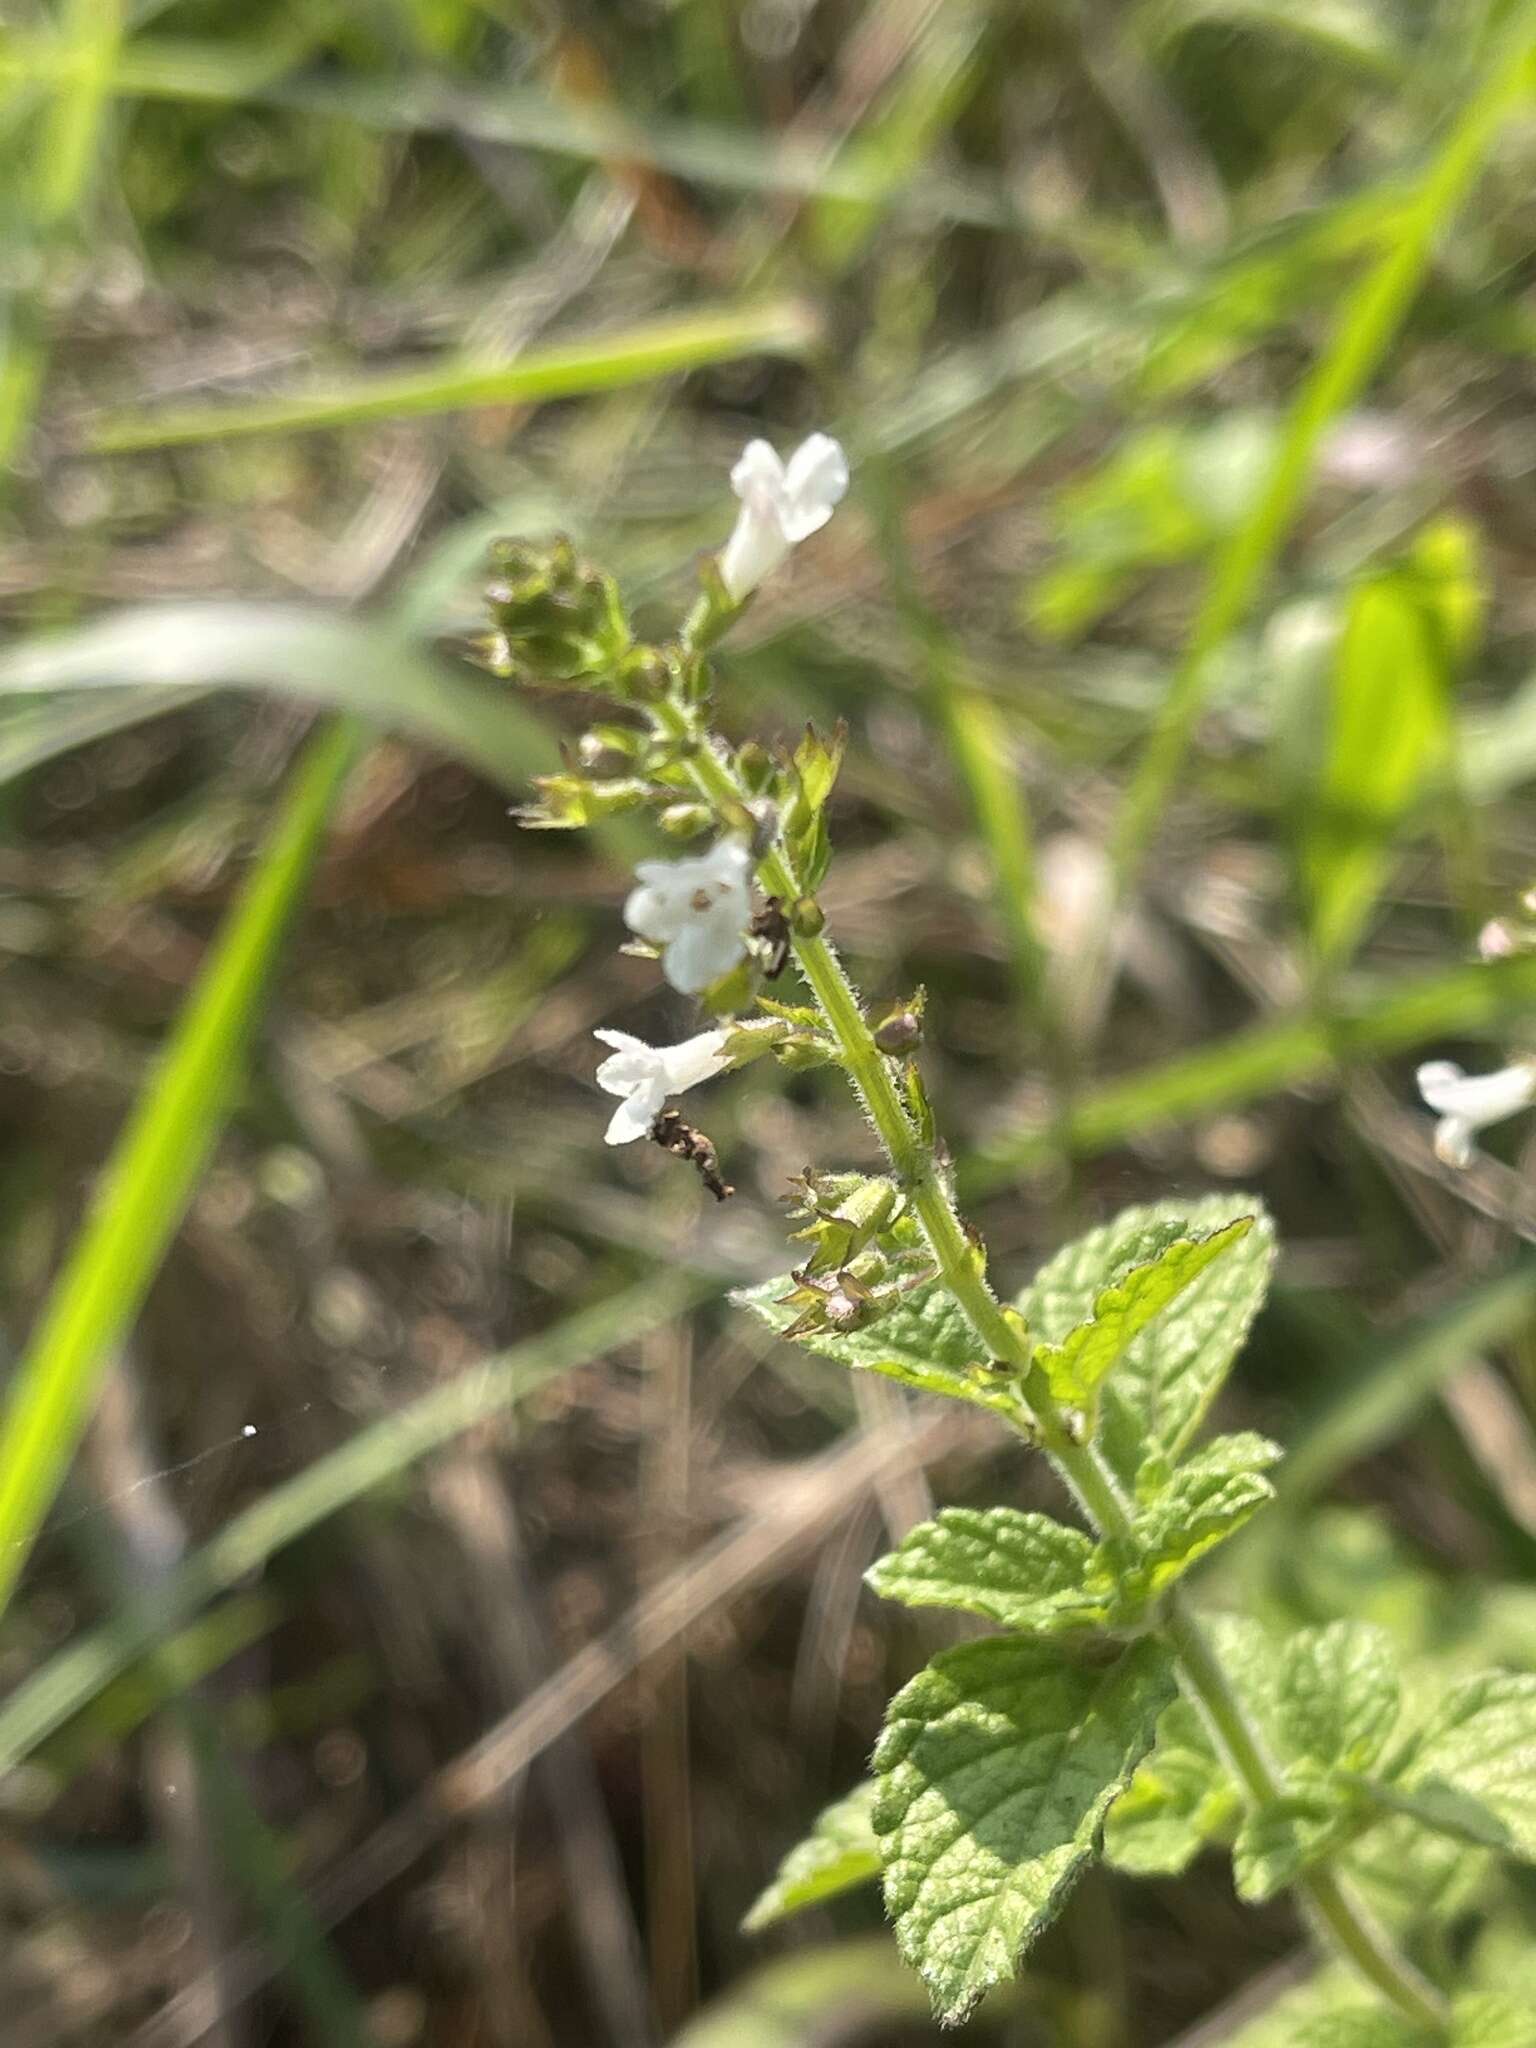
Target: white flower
697,912
645,1075
781,505
1466,1102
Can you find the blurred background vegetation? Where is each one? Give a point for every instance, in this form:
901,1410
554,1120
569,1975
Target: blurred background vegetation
454,1609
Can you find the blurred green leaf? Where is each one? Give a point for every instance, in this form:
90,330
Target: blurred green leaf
1386,1388
1165,495
838,1853
786,2003
362,665
1385,726
34,733
1481,1743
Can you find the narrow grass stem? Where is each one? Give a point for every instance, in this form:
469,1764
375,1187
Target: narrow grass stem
1340,1919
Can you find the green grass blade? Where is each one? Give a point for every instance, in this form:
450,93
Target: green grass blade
662,348
366,1460
180,1662
1366,329
63,159
355,664
1467,1001
1384,1391
262,1869
153,1169
732,157
92,31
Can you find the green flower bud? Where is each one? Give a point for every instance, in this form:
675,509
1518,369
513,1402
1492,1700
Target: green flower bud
555,618
901,1031
754,764
686,821
566,801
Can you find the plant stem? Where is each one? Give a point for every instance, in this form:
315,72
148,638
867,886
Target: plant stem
1340,1919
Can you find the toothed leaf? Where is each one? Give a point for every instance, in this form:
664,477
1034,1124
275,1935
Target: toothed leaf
1481,1744
1171,1372
995,1768
839,1853
1207,1499
922,1340
1075,1368
1025,1571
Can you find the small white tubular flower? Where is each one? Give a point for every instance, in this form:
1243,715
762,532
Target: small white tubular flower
646,1075
1466,1103
782,504
696,910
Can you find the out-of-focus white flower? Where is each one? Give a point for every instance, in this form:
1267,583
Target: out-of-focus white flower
1466,1103
646,1075
696,910
782,504
1495,941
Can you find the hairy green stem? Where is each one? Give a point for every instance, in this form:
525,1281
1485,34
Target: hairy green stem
1339,1917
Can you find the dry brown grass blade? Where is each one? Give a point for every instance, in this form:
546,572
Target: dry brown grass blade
810,1499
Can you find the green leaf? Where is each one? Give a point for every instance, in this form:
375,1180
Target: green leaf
1207,1499
839,1853
1177,1802
1180,1797
1075,1368
1439,1806
1481,2020
1362,2026
1281,1838
1032,1573
1339,1695
1386,727
1022,1570
1323,1701
922,1340
369,666
1281,2023
996,1767
1482,1744
1412,1876
1172,1370
1487,2020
